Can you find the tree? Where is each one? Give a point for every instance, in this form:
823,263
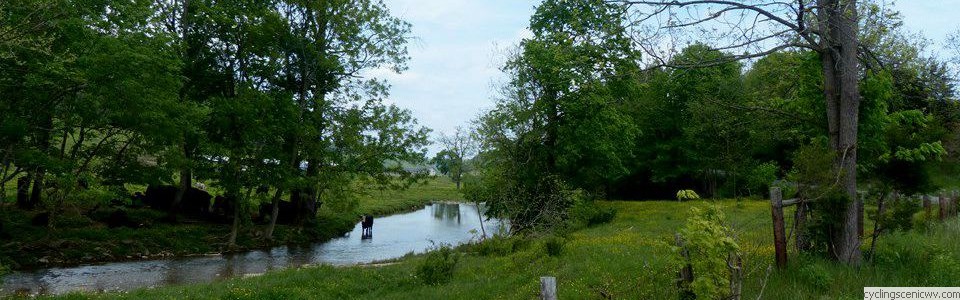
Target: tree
337,127
96,69
26,33
758,28
458,148
560,125
692,124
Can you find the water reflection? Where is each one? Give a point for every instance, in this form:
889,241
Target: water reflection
393,236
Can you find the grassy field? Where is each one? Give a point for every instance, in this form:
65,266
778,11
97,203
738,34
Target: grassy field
385,202
77,239
628,258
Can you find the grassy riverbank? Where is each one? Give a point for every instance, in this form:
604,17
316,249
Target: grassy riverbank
625,259
77,239
384,202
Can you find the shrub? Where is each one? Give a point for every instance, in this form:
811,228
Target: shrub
709,244
437,267
760,178
554,245
499,245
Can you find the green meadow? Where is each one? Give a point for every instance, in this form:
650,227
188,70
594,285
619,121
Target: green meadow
629,258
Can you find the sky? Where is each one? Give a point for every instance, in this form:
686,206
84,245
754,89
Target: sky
455,57
459,46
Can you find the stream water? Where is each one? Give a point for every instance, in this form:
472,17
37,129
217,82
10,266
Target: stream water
393,236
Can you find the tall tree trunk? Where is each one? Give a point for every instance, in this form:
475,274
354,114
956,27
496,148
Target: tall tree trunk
842,94
188,56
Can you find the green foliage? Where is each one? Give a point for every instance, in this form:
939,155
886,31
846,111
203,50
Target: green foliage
761,177
709,242
237,94
687,195
445,161
902,213
826,222
561,128
438,265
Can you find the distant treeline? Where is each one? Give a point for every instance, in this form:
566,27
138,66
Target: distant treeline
585,112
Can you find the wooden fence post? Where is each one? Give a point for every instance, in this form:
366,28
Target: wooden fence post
927,205
779,233
548,288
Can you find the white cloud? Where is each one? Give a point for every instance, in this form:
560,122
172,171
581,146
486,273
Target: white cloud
455,57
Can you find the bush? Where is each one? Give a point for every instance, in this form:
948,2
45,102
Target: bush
554,245
709,244
760,178
500,245
437,267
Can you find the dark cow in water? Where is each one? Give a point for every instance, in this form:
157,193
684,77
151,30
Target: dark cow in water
195,202
366,225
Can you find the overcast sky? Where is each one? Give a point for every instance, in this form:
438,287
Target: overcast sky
459,47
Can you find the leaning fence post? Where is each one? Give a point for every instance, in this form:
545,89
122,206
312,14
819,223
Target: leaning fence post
779,233
548,288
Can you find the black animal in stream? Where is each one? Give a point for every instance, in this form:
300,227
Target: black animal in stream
366,227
